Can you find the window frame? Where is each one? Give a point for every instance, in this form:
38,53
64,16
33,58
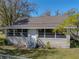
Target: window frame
39,33
18,33
45,34
60,34
10,33
25,32
54,35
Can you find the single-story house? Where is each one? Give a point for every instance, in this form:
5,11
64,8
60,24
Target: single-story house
37,31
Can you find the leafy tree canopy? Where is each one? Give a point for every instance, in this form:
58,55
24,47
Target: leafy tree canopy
70,21
10,10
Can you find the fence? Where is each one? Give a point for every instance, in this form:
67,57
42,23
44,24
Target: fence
12,57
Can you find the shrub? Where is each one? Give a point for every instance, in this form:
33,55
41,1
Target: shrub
48,46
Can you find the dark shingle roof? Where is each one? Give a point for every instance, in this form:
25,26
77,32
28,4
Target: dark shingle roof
43,20
39,22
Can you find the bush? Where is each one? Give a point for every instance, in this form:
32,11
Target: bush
48,46
2,41
74,43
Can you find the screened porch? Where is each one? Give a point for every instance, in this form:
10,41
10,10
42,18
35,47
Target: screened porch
42,33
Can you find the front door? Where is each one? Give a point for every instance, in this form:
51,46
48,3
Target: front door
32,35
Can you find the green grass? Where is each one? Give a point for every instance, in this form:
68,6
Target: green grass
55,54
72,53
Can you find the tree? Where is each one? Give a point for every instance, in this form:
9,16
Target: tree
71,12
58,13
71,21
11,10
47,13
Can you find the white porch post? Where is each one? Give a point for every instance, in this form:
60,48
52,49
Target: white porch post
13,32
5,30
44,33
21,32
68,35
55,34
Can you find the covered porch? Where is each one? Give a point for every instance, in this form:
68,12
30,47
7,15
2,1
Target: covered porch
32,37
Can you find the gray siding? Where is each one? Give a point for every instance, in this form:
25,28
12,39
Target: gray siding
56,42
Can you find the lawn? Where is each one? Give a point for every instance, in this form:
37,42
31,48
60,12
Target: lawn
54,54
72,53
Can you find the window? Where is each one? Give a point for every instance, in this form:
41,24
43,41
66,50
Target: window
9,32
41,33
60,35
18,32
25,32
49,33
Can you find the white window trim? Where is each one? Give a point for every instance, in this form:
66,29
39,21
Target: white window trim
52,37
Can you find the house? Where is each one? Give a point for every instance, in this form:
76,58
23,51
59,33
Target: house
37,30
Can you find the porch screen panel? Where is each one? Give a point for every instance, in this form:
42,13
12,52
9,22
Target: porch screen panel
60,35
10,32
25,32
41,33
18,32
49,33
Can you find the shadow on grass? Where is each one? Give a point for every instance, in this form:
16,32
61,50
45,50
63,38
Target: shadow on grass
31,53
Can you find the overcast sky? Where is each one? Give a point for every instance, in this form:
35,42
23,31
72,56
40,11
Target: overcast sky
53,5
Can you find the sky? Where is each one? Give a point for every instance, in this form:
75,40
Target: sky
54,5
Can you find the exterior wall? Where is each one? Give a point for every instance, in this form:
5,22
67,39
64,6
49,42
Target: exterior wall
57,42
18,41
24,42
29,41
33,36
